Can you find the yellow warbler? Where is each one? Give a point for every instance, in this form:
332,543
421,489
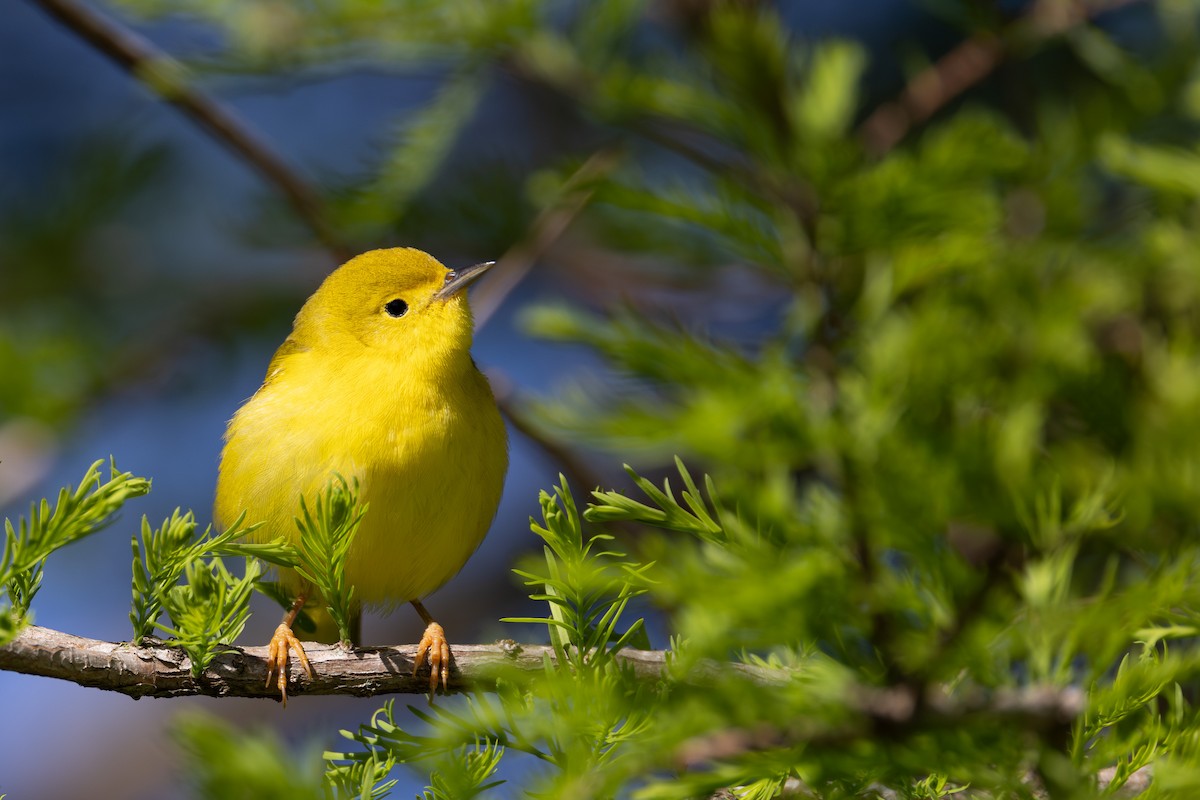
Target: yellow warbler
376,382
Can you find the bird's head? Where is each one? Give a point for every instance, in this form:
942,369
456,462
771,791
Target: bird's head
399,300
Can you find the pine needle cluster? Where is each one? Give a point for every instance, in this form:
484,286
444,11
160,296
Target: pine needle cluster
937,360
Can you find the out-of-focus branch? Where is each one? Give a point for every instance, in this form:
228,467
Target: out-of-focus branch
513,266
890,711
166,76
680,138
929,90
966,65
543,232
576,470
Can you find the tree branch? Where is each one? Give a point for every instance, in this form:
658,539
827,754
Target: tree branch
165,76
159,670
966,65
890,711
681,138
546,228
564,458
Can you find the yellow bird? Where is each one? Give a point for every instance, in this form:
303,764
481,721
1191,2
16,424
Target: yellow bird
376,382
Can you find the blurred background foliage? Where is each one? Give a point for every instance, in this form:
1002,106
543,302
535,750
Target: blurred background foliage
924,308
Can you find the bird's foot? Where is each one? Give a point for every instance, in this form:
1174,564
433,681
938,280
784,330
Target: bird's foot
434,643
283,642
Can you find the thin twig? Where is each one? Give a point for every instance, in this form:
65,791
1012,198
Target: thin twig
547,227
966,65
929,90
577,472
513,266
165,76
789,190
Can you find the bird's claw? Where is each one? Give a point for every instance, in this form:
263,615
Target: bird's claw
283,642
434,643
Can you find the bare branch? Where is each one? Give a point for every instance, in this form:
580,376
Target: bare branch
165,76
158,670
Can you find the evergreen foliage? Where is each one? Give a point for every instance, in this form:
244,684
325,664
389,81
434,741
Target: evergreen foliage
210,607
581,715
79,512
209,610
164,554
326,533
244,765
949,449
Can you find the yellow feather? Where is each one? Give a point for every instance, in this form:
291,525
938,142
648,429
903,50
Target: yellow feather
397,403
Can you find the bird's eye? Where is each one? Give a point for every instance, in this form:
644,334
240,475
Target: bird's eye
450,276
396,308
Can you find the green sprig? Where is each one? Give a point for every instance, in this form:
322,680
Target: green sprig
209,610
463,758
79,512
587,591
163,554
326,533
667,512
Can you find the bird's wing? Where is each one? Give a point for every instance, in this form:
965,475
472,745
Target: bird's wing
289,348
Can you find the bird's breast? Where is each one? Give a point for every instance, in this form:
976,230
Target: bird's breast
429,455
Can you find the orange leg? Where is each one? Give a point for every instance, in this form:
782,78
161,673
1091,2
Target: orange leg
434,643
283,642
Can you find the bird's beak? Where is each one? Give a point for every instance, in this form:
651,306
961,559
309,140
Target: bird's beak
460,279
